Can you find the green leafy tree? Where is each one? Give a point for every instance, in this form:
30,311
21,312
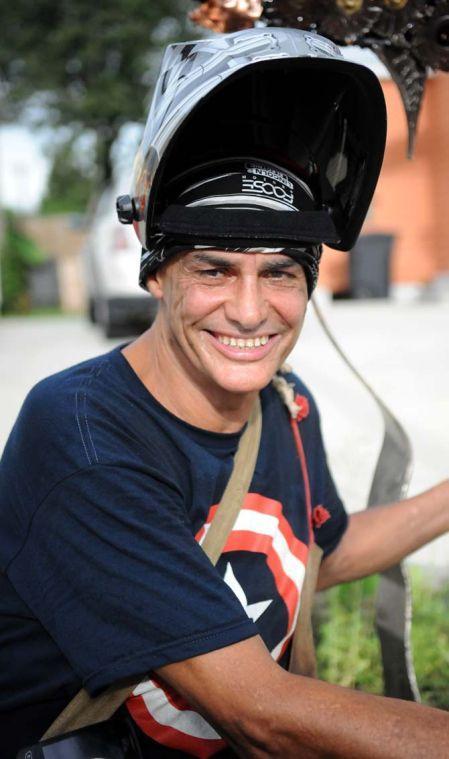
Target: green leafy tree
88,66
17,255
71,184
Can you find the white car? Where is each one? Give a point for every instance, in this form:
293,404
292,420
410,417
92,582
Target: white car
112,256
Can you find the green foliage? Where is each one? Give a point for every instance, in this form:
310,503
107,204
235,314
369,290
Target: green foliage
18,254
70,185
348,650
86,65
430,639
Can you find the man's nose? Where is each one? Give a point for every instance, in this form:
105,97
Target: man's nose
247,307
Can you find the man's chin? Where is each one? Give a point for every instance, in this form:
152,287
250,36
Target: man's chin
243,380
241,375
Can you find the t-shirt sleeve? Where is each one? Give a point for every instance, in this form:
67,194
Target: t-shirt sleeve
113,572
331,522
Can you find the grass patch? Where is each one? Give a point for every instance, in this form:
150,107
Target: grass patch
348,649
39,311
430,639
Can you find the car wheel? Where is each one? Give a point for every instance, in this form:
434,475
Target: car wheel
91,311
112,325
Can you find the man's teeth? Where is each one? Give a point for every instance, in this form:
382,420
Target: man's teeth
238,342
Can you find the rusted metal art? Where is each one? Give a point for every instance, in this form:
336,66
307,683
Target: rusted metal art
390,483
396,5
227,15
431,40
409,36
410,78
343,21
350,6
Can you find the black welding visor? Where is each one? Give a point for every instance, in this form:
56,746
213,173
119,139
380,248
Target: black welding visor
321,120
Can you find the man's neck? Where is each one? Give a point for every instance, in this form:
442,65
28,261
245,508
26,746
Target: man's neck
208,407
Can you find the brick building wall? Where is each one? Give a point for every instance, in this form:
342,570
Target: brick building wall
412,198
62,237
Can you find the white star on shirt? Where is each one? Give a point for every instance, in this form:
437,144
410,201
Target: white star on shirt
254,611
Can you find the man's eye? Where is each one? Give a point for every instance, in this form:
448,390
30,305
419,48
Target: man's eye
212,273
279,274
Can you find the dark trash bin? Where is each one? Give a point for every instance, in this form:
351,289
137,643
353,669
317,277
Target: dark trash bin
43,285
370,266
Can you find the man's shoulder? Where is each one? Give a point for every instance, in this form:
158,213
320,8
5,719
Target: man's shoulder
60,384
55,426
93,413
57,400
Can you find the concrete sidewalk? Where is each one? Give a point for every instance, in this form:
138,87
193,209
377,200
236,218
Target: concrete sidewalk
403,352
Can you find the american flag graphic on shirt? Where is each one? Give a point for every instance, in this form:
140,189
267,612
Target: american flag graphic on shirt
260,528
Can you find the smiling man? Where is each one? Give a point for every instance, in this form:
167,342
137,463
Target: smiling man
114,469
227,321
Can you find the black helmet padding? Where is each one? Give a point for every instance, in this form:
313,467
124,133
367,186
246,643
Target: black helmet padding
217,226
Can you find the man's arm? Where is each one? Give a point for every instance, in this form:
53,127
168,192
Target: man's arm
264,711
379,537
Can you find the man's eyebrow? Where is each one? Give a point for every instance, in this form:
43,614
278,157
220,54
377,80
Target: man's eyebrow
283,263
220,262
211,259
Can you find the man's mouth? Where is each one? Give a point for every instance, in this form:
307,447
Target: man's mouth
240,342
243,348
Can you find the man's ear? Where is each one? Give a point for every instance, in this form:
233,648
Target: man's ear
154,285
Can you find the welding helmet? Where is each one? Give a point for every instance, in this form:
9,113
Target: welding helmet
270,105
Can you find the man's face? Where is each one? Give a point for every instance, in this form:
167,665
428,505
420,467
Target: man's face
230,319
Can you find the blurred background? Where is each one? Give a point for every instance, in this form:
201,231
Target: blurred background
75,84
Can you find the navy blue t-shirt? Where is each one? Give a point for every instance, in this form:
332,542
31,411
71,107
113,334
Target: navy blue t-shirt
105,497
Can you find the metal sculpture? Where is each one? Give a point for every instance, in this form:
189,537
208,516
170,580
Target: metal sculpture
409,36
390,483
